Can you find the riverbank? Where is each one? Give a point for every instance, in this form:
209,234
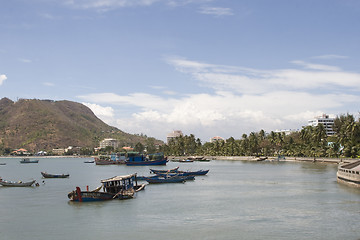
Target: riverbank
252,158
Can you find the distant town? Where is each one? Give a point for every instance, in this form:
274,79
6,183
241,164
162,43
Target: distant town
324,136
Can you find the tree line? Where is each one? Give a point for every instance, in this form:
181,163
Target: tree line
308,142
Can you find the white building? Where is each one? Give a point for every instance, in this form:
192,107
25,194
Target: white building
173,134
109,142
216,139
326,121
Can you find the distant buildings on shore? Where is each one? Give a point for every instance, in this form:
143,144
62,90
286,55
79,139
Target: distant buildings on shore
324,119
173,135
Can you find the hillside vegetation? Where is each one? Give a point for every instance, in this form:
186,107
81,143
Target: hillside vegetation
45,124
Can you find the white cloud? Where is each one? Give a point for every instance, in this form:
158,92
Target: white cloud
2,78
24,60
48,84
216,11
246,80
243,100
108,4
104,113
330,56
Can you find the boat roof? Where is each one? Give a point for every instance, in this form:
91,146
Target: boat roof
354,166
118,178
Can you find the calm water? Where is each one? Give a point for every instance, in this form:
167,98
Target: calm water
236,200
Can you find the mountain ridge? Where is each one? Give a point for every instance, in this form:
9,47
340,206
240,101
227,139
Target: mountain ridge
46,124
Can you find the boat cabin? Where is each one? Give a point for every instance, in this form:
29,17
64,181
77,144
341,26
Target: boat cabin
119,183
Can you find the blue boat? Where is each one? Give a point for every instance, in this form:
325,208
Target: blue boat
156,171
184,173
168,179
136,159
194,173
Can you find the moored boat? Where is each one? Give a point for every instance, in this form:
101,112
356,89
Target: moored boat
173,170
136,159
106,160
48,175
28,160
349,173
118,187
166,179
89,161
16,184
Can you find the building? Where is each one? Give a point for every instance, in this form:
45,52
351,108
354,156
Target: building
173,135
58,151
109,142
216,139
326,121
287,131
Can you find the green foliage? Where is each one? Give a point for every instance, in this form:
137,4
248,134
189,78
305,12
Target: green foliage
309,142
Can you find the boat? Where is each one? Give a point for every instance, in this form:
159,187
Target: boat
2,163
28,160
167,175
118,187
166,179
90,161
16,184
259,159
194,173
173,170
107,160
136,159
48,175
349,173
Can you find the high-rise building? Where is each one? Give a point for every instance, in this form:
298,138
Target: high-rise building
173,134
109,142
326,121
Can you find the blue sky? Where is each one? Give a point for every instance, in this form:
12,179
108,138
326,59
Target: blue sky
206,67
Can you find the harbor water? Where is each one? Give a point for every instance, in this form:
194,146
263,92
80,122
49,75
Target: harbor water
235,200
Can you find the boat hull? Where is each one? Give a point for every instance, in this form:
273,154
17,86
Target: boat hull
17,184
349,174
147,163
48,175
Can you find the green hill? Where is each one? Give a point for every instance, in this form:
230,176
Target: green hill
45,124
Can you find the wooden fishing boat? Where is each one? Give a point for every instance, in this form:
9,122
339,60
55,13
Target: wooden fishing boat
17,184
185,176
118,187
90,161
107,161
194,173
159,179
48,175
28,160
173,170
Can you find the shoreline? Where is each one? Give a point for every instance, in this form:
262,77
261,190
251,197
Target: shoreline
226,158
273,159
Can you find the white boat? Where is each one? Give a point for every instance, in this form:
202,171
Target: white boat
16,184
349,173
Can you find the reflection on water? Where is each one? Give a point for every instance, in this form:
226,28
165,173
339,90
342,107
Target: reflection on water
236,200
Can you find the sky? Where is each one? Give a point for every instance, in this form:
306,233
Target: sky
205,67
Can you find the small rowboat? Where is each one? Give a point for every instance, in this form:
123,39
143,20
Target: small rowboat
167,179
28,160
173,170
48,175
17,184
